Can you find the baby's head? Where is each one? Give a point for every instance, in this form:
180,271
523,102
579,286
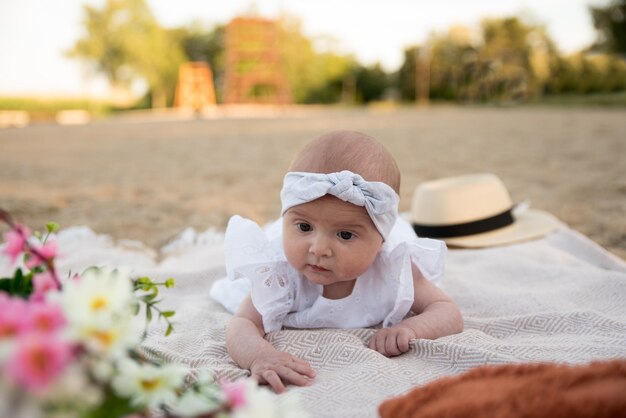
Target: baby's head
340,202
348,150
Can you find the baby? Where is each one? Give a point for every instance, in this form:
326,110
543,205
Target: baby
342,259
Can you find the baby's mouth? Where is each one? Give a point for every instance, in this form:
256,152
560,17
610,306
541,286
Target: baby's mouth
317,269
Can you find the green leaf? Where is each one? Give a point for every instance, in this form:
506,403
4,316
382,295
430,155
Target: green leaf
148,313
94,269
112,406
149,298
6,285
168,314
52,227
19,285
169,283
169,330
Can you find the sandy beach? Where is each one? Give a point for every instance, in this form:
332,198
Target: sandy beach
149,178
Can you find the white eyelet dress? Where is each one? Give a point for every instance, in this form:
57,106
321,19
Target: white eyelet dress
256,263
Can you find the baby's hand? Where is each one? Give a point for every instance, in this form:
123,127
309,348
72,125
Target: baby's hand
392,341
281,367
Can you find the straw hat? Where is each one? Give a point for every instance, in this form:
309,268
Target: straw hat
474,211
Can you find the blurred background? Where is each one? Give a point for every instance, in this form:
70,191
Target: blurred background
139,118
111,55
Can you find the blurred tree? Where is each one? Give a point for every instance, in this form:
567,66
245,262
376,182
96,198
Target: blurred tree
370,83
405,77
565,76
610,22
104,44
584,73
454,63
124,41
615,77
314,77
508,61
508,49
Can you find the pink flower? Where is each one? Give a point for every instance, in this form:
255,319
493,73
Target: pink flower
44,317
42,284
41,254
38,359
15,240
13,316
235,393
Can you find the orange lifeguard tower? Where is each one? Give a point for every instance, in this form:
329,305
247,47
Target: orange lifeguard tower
254,69
195,89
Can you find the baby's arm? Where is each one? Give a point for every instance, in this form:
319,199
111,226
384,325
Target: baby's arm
246,345
436,316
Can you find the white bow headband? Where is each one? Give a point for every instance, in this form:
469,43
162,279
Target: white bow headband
379,199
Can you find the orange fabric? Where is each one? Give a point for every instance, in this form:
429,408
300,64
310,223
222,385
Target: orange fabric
529,390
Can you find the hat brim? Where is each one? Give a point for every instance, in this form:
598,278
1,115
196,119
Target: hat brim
531,224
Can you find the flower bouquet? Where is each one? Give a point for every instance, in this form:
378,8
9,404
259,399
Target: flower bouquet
71,346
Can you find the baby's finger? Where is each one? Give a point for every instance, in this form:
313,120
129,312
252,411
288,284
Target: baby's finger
391,345
272,379
303,368
299,360
293,376
372,343
379,343
403,342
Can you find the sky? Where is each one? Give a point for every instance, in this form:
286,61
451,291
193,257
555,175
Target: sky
34,33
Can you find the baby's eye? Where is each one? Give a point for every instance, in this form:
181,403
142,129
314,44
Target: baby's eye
345,235
304,227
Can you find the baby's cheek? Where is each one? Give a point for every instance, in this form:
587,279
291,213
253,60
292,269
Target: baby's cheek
356,267
293,255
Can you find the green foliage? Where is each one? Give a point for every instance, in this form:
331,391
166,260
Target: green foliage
371,83
20,284
112,406
610,21
104,44
511,61
149,298
314,77
405,78
581,74
124,41
45,109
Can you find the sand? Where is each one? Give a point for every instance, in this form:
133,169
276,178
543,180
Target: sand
148,178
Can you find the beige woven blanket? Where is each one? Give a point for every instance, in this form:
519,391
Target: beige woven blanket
558,299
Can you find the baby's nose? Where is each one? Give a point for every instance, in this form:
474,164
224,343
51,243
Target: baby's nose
320,246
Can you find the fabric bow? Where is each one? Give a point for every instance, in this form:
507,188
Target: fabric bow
379,199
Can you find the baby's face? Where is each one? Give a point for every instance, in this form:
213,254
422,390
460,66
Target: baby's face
330,241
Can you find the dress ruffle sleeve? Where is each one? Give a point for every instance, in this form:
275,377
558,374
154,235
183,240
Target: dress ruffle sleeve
428,256
250,255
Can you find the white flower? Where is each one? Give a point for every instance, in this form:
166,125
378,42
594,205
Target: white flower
98,308
193,404
147,385
262,403
99,295
102,370
111,341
